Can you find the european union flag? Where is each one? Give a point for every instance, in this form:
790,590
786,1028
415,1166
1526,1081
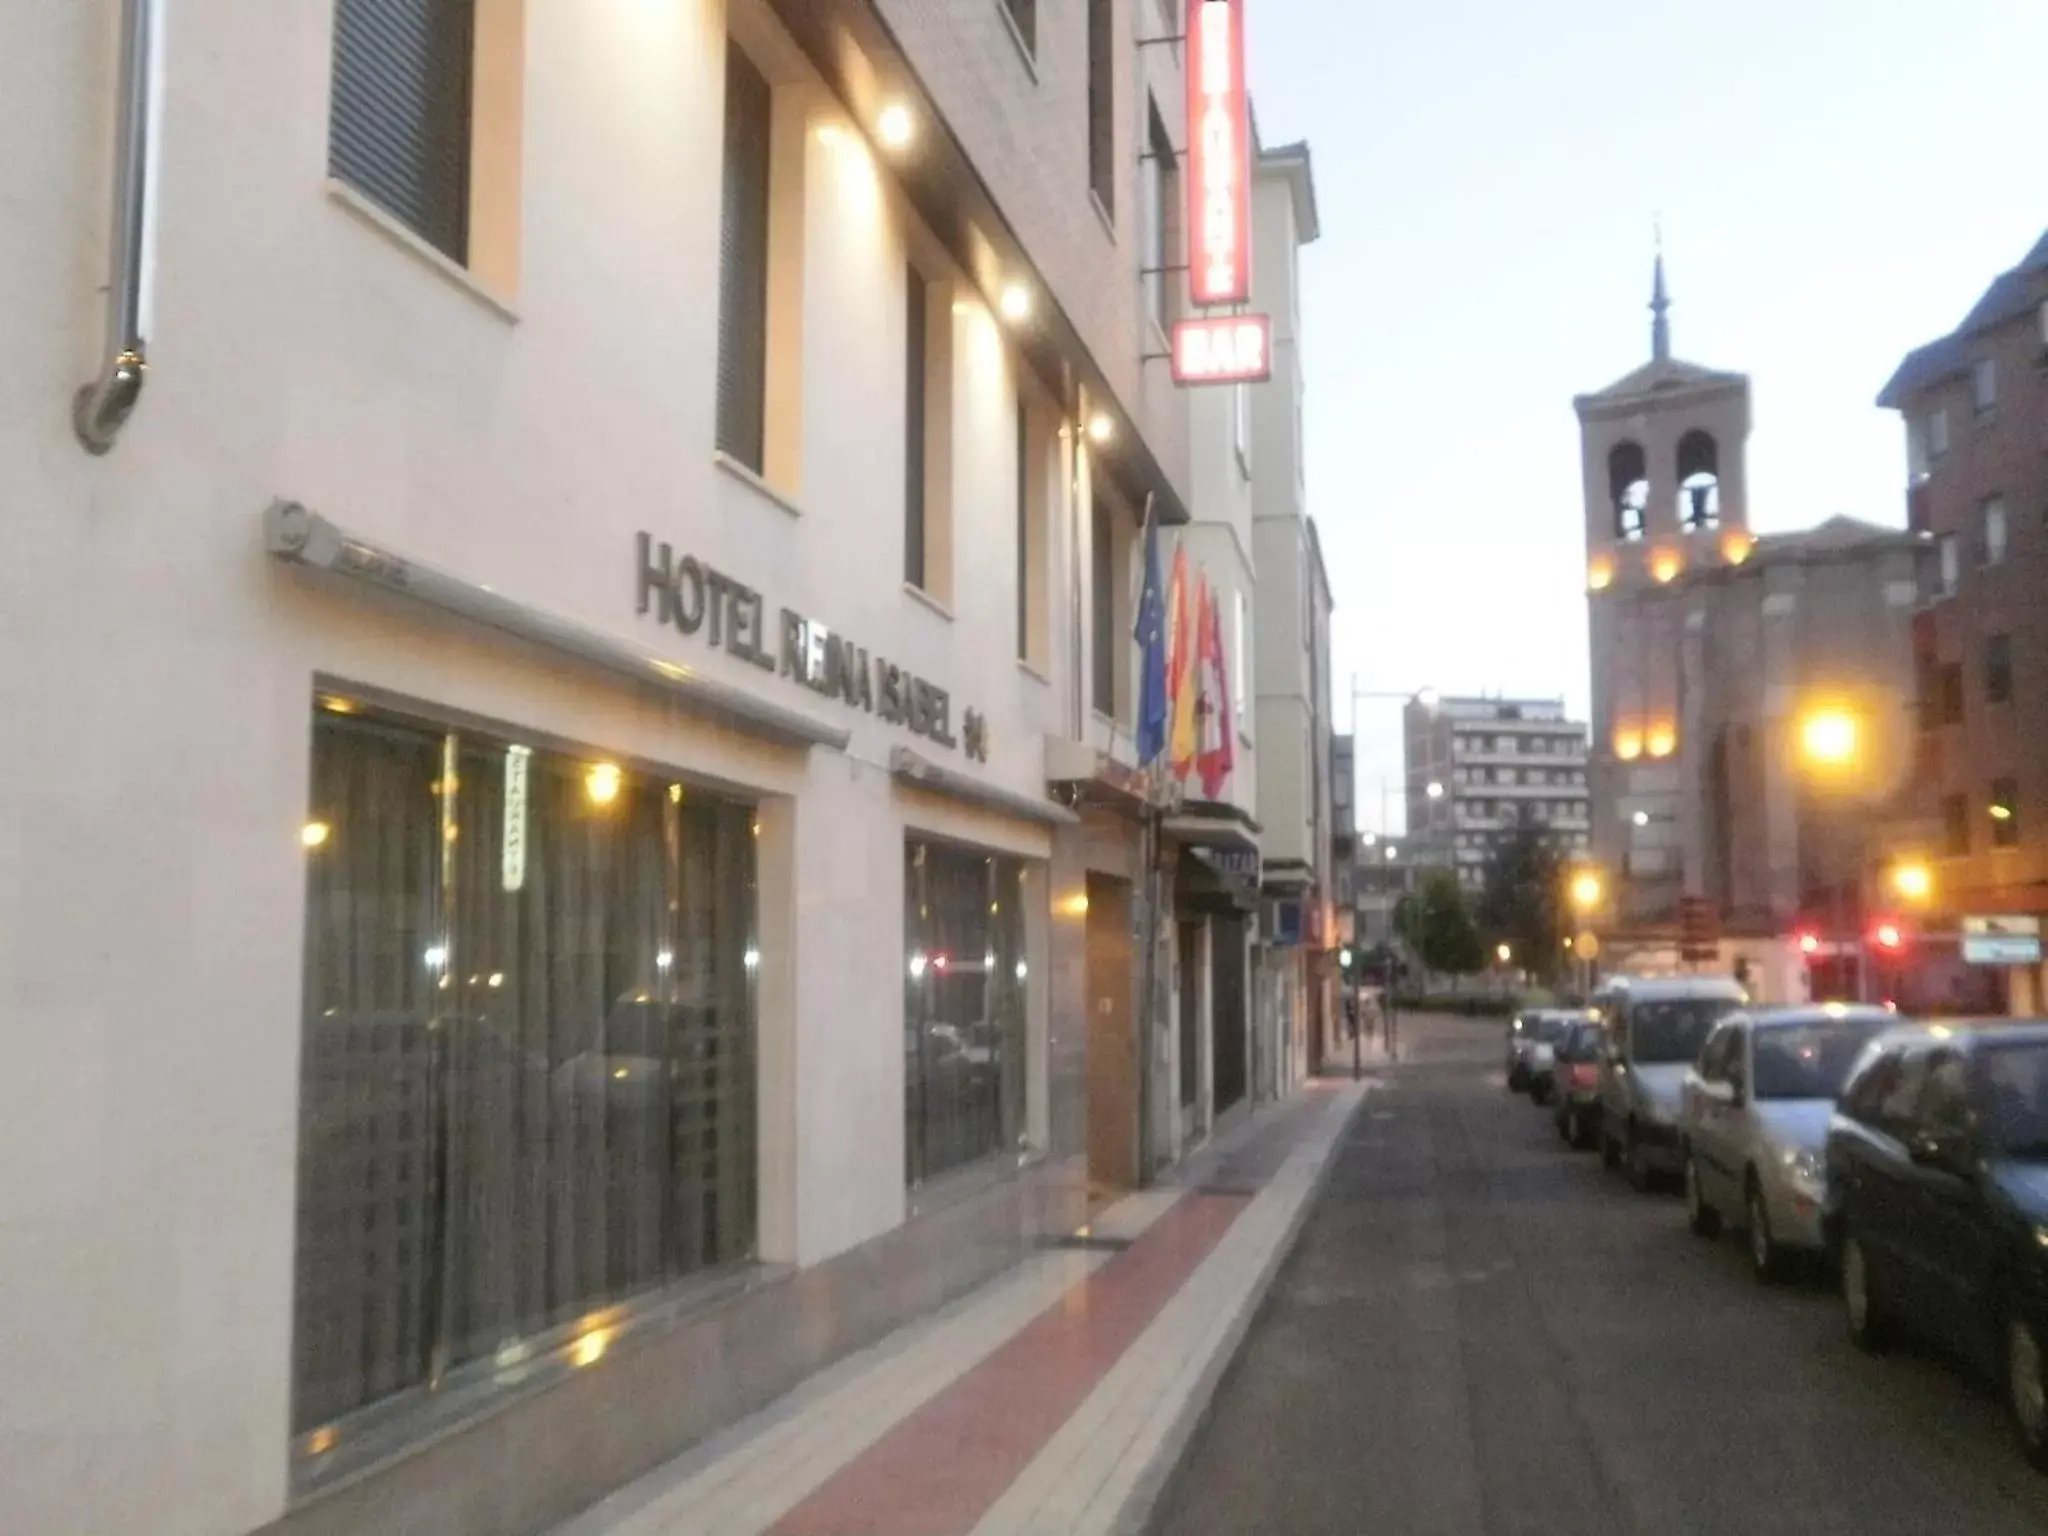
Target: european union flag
1150,633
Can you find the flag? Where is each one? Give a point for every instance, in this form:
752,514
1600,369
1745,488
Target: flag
1180,671
1218,754
1150,633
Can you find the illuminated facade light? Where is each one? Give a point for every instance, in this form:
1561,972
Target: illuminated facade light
1628,745
1737,547
1662,741
1015,303
602,782
314,834
896,127
1101,428
1599,575
1666,566
1915,882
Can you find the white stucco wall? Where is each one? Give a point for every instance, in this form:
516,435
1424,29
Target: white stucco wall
156,671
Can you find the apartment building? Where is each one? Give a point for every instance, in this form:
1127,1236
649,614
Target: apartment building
1975,407
573,850
1297,986
1497,766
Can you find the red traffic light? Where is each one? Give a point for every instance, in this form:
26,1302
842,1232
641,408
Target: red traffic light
1888,937
1809,943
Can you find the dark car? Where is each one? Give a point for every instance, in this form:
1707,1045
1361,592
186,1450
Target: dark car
1575,1102
1937,1184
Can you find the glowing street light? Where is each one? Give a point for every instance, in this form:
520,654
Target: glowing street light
1435,790
1827,738
1586,890
1914,881
1503,953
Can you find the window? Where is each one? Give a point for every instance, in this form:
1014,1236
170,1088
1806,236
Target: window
1899,1095
1102,106
1916,451
1955,818
1102,608
527,1075
1161,176
1628,490
399,118
1984,385
2005,813
1872,1080
1699,483
1023,15
1023,529
1998,669
916,315
1937,434
963,1007
1991,531
1952,694
743,266
1951,567
1944,1110
1241,427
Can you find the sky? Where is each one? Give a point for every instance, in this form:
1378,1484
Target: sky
1838,181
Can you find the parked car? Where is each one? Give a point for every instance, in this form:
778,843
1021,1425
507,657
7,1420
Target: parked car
1937,1170
1575,1105
1550,1033
1757,1107
1655,1028
1530,1034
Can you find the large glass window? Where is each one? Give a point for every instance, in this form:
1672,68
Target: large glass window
528,1055
963,1006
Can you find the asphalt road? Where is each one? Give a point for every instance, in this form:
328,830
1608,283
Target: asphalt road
1481,1332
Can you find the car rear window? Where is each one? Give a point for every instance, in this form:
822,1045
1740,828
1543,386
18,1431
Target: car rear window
1673,1031
1809,1061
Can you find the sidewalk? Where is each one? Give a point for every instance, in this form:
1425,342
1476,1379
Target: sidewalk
1053,1400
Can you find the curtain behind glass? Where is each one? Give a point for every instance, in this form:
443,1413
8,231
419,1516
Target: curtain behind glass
555,1045
367,1140
963,1007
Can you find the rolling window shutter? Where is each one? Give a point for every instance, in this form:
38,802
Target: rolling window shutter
399,121
743,265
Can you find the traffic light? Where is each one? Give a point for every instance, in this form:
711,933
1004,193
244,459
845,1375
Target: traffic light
1887,937
1809,943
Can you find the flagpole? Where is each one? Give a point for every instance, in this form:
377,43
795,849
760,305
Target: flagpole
1148,929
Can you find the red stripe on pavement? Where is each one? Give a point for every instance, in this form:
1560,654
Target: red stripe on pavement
940,1470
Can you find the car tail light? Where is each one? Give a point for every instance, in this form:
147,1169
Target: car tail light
1584,1074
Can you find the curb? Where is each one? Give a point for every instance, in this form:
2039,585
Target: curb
1135,1516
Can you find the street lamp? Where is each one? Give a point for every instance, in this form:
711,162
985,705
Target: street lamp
1435,790
1503,953
1586,890
1828,738
1914,881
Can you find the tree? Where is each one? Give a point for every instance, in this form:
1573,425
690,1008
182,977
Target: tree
1437,923
1522,902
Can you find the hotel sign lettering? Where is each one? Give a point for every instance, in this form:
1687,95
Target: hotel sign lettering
1219,158
697,598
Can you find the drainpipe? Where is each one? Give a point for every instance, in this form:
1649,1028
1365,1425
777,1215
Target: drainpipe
103,407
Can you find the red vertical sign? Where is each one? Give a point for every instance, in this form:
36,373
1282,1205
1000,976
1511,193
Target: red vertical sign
1219,155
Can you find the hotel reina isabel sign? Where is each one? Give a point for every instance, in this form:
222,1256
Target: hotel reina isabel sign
1231,348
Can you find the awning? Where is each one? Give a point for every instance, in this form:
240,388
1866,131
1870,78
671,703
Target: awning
297,536
922,773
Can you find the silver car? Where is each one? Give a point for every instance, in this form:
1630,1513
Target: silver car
1655,1028
1757,1106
